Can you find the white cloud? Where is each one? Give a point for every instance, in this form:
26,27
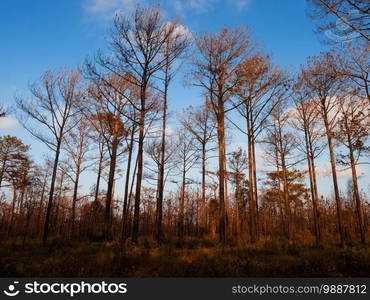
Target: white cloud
203,6
7,122
239,4
324,170
106,9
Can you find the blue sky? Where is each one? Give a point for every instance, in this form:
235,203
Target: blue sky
42,34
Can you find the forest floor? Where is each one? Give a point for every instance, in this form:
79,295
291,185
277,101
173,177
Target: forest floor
194,258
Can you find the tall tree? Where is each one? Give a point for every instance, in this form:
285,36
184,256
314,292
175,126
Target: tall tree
238,164
261,86
77,145
174,46
201,123
324,87
305,119
281,144
108,109
215,71
352,132
52,107
141,46
186,159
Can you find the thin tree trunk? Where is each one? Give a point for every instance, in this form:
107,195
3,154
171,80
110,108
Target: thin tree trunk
360,217
2,172
182,204
312,188
127,182
257,225
99,174
135,229
221,158
108,203
51,193
335,180
159,211
203,203
74,200
12,210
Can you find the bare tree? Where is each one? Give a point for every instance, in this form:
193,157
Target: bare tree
52,107
305,119
238,164
353,131
215,71
186,159
281,144
354,14
201,123
108,109
352,61
77,145
141,46
261,86
175,45
324,87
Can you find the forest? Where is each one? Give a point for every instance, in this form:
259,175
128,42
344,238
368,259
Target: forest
169,194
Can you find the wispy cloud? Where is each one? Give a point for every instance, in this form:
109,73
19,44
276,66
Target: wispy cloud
240,4
324,170
7,123
106,9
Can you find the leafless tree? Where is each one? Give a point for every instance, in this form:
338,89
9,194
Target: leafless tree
261,86
355,14
186,158
140,46
324,87
174,47
77,145
352,132
281,144
305,118
201,123
215,71
52,108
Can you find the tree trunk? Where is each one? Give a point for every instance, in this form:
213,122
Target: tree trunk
256,219
135,229
51,192
182,204
203,203
74,200
2,172
12,210
159,211
221,173
250,193
360,217
309,157
99,174
108,203
335,180
127,182
288,213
